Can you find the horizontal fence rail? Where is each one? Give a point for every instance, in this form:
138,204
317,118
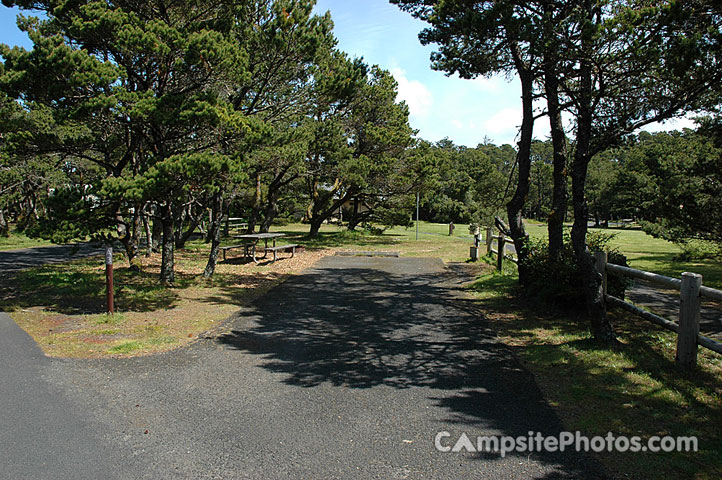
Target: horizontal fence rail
690,290
500,240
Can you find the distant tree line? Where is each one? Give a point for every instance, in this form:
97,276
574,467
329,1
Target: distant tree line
465,185
611,66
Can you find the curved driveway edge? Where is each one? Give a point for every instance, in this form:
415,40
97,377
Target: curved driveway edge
43,435
347,370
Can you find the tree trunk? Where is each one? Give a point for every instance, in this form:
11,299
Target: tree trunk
516,204
157,229
184,236
179,221
601,328
315,226
256,210
591,279
354,220
269,214
127,235
167,267
135,236
209,233
559,144
273,195
148,234
214,231
4,227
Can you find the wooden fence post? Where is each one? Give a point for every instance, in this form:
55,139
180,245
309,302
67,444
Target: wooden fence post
600,262
689,305
489,234
500,250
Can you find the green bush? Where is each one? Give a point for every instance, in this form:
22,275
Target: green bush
559,282
698,250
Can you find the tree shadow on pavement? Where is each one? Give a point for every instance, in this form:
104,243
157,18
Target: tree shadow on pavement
363,327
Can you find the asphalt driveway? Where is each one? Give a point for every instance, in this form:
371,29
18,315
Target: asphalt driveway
346,371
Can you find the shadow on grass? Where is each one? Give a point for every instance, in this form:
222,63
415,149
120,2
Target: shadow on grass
74,289
401,326
634,389
710,269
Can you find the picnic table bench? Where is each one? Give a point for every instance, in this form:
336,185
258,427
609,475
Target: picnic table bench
252,247
282,248
249,249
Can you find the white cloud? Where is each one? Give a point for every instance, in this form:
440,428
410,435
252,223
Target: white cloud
672,124
457,124
491,85
416,95
504,121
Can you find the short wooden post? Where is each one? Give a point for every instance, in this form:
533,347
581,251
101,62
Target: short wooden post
489,239
500,247
689,306
109,279
451,228
600,262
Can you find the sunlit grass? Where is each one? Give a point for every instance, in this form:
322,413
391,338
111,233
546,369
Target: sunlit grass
18,240
631,390
645,252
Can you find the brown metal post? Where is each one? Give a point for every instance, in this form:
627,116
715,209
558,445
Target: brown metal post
109,278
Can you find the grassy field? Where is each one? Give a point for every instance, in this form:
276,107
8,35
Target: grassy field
433,241
645,252
632,390
65,315
19,240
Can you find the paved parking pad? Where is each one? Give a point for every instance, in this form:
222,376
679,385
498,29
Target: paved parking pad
348,370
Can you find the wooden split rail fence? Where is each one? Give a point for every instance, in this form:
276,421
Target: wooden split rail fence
500,248
489,239
691,292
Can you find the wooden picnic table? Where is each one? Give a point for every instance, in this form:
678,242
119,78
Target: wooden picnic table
255,237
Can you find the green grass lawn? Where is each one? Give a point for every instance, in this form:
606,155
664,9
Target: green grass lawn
633,390
433,241
19,240
645,252
65,312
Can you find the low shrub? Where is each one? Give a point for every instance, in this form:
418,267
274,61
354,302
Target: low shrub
698,250
558,281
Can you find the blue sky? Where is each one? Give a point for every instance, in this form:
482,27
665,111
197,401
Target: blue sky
466,111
